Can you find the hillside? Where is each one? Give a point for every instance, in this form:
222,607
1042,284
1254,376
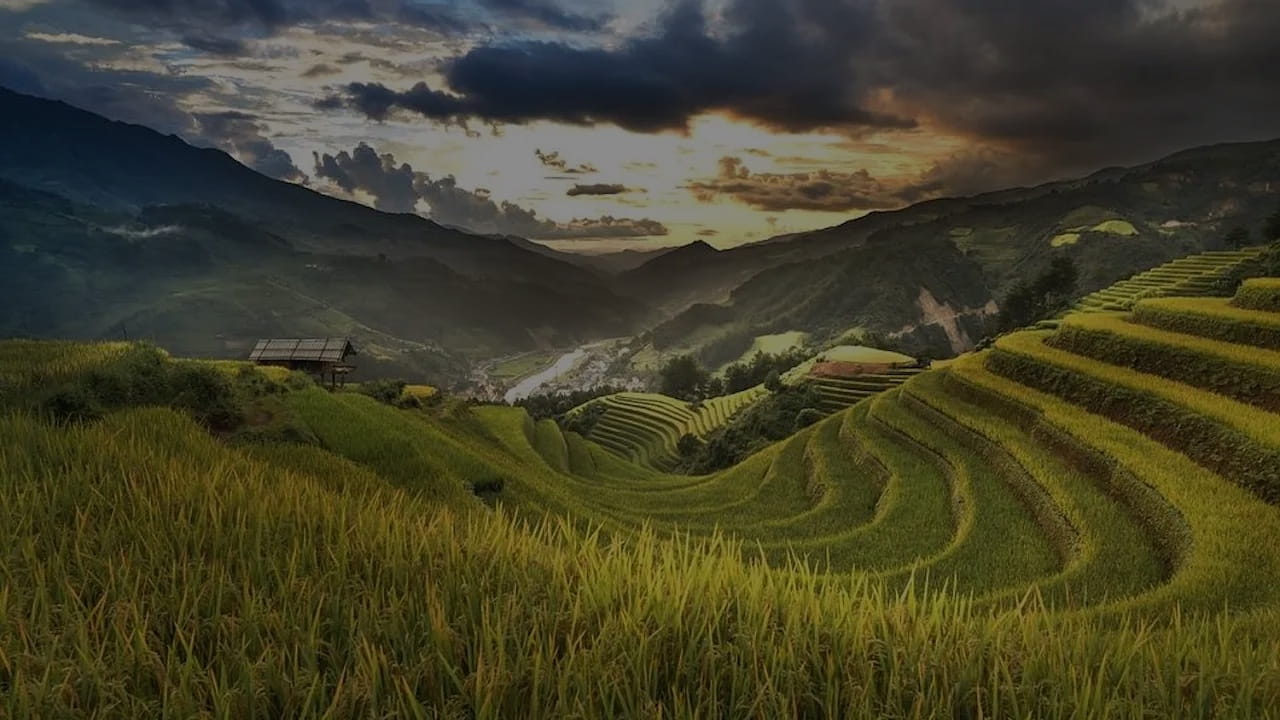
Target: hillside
231,255
1100,503
1113,224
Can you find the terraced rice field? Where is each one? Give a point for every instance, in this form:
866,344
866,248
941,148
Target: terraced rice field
645,427
839,393
1076,523
1120,463
1195,275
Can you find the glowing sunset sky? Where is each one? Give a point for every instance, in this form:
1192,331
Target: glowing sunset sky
607,125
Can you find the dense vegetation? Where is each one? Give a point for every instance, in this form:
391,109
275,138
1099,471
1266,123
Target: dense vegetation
1074,524
1050,293
784,411
685,378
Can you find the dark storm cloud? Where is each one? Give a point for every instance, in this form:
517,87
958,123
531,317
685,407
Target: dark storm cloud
1087,80
207,23
542,13
598,189
397,187
1071,83
214,44
821,190
786,65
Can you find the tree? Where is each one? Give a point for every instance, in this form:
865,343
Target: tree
1050,292
1271,232
773,383
688,445
713,387
1238,238
682,377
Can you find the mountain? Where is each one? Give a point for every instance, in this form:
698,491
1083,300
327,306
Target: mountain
140,233
616,263
828,282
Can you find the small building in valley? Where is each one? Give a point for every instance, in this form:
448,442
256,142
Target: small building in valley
325,358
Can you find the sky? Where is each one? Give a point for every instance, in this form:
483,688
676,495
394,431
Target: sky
604,125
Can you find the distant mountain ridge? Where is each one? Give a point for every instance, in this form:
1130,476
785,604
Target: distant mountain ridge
1113,223
410,285
111,229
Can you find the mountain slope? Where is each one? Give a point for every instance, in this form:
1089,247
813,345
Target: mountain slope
87,199
1112,224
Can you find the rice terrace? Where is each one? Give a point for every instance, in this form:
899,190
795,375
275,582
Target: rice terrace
505,359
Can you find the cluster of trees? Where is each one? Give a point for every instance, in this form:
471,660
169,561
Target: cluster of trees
684,378
1050,292
1240,237
555,405
785,411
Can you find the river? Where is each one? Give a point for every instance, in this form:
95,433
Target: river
530,385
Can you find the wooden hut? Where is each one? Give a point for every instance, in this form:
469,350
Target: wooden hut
325,358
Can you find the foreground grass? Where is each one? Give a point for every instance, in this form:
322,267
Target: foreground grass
146,570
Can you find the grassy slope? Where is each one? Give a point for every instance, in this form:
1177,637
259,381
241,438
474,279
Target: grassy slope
361,577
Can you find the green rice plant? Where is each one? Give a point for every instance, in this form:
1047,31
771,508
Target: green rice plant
1221,560
998,543
551,444
401,448
1214,318
913,518
1119,538
31,366
1248,374
1239,441
207,583
1259,294
1193,275
646,427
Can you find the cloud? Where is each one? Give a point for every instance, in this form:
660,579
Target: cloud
555,162
320,70
397,187
70,39
785,65
597,189
1073,84
546,15
821,190
214,44
241,135
1088,81
224,19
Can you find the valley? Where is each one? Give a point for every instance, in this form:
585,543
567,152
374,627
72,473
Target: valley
1011,454
1070,496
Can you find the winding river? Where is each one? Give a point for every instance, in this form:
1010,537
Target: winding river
529,385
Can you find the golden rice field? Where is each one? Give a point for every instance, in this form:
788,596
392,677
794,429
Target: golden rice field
1077,523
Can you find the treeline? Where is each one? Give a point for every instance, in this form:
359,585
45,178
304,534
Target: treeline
683,377
555,405
1048,294
776,417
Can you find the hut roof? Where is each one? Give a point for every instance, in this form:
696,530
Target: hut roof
302,349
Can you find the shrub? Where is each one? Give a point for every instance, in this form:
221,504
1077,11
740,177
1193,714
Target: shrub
385,391
773,383
72,404
807,417
585,420
489,486
207,394
689,445
298,380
